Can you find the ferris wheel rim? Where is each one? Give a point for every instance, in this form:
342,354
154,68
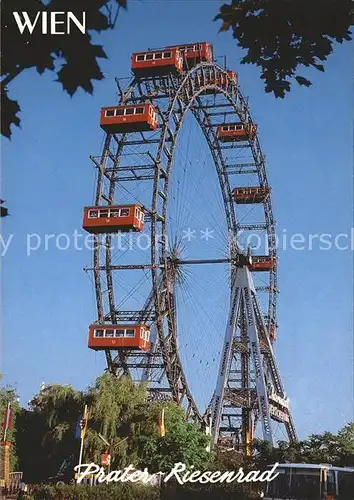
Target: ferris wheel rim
230,216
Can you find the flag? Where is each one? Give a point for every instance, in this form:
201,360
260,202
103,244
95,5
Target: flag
78,428
83,423
162,429
4,212
106,459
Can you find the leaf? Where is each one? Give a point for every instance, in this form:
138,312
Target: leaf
225,26
9,110
47,62
281,36
320,67
303,81
80,70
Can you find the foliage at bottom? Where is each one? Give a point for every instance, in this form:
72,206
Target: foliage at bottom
141,492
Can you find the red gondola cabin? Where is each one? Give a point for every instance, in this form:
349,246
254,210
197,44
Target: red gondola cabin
262,263
160,62
132,118
134,337
236,132
113,219
244,195
194,53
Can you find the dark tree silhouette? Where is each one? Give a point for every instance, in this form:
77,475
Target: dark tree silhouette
278,35
4,212
72,57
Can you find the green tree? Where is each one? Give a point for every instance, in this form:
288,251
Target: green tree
183,441
47,429
326,448
120,412
114,409
30,430
346,443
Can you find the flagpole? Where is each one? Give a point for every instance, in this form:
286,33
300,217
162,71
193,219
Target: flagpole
161,423
81,452
81,446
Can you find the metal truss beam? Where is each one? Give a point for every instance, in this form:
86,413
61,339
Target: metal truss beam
266,397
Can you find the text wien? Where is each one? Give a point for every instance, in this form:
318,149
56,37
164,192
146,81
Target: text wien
50,23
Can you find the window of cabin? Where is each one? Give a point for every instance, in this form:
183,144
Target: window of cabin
139,111
140,57
109,112
104,213
141,216
129,111
124,212
136,211
109,334
232,127
149,57
141,333
147,335
120,112
225,128
158,55
167,55
130,333
114,213
93,214
239,127
119,333
98,334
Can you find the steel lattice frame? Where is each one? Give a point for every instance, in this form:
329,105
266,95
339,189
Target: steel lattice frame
174,96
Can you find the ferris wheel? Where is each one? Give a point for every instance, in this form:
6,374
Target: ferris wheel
184,261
